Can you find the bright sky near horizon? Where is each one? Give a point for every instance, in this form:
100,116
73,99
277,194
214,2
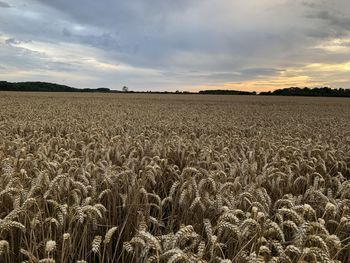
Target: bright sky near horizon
186,45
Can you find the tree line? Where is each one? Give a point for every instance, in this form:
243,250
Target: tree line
293,91
315,92
43,87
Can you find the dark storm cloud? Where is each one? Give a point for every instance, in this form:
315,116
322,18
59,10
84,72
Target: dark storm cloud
163,42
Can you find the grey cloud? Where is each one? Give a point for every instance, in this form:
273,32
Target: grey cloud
13,41
210,77
255,72
66,32
101,40
24,59
104,40
345,44
337,19
4,5
119,14
310,4
60,66
152,34
333,17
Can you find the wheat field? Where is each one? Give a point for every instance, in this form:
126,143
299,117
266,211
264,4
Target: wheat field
173,178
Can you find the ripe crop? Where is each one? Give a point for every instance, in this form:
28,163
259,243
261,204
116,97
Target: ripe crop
173,178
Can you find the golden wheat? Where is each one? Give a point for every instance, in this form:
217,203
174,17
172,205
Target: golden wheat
158,178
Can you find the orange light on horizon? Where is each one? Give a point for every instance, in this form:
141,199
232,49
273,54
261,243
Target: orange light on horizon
269,84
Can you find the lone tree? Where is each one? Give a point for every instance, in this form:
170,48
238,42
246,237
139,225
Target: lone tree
125,89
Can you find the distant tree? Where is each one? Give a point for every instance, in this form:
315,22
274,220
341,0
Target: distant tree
103,90
125,89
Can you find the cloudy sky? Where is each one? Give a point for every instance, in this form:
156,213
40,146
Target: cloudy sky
176,45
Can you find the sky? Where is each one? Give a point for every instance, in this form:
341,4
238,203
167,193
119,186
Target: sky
186,45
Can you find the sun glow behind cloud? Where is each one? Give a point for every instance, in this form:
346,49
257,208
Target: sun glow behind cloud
264,84
312,75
